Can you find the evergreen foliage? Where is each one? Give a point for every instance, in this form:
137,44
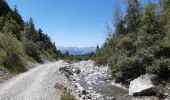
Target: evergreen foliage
140,42
73,58
20,41
12,53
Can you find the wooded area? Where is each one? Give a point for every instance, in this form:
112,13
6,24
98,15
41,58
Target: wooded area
21,41
140,43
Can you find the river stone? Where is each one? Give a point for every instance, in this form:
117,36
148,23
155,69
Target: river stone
142,86
84,92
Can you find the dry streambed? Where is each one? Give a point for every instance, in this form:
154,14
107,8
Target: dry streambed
92,82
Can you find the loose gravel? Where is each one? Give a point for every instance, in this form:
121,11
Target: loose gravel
36,84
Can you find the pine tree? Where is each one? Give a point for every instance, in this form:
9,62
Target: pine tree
30,32
133,15
165,23
17,17
4,8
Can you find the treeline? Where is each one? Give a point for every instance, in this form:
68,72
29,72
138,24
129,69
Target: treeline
21,41
140,42
71,58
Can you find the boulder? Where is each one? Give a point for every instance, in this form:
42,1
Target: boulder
77,70
84,92
142,86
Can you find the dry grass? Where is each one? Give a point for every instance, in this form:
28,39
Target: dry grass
66,94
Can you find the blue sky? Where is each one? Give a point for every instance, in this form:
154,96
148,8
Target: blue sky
77,23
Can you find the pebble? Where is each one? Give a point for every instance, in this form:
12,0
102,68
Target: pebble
92,75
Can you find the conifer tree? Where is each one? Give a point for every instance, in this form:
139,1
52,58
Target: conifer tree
17,16
133,15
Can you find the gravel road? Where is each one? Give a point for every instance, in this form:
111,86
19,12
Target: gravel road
36,84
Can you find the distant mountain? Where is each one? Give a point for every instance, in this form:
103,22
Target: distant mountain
77,50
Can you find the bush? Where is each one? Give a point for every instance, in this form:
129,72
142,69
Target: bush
124,68
102,55
160,67
126,43
68,96
31,49
11,53
3,56
12,27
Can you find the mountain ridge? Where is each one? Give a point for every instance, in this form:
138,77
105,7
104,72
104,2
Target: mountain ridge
77,50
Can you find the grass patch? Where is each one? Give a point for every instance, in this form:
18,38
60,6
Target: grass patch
66,93
68,96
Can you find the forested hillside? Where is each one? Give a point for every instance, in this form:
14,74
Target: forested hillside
20,41
140,42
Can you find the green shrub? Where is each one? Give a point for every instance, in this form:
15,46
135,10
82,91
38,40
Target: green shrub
126,43
12,27
160,67
68,96
2,68
12,53
102,55
124,68
31,49
3,55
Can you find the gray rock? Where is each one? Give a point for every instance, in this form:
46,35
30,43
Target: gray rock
142,86
84,92
79,95
89,97
112,98
77,70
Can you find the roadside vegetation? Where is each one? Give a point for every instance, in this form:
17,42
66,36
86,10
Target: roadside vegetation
140,42
68,96
68,57
66,93
20,41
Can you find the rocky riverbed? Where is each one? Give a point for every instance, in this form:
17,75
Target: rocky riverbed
91,82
